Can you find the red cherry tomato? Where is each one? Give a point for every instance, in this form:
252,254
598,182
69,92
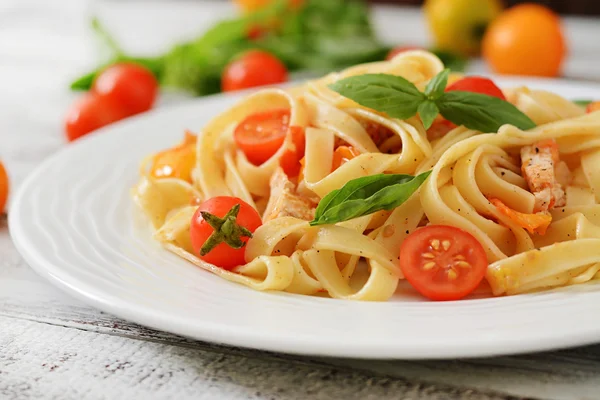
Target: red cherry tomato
477,84
400,49
222,255
89,113
260,135
290,160
443,262
128,85
253,68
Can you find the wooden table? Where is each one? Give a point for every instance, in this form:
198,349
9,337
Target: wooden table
54,347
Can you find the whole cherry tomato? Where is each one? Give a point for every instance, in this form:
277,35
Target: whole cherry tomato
4,184
89,113
226,247
251,69
525,40
129,85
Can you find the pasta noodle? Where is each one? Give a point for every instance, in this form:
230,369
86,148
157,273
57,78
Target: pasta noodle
358,259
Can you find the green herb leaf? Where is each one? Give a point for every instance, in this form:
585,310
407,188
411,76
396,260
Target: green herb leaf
453,61
481,112
428,111
390,94
582,102
366,195
436,86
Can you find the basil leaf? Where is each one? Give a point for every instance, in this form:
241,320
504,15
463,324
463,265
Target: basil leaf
582,102
436,86
390,94
481,112
428,111
366,195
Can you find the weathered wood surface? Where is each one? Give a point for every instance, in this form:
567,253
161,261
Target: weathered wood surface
55,347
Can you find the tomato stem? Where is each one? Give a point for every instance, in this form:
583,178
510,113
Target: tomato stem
227,230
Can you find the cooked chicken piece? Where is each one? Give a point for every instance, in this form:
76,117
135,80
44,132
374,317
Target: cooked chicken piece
285,202
540,164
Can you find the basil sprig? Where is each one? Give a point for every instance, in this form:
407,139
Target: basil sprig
399,98
583,102
366,195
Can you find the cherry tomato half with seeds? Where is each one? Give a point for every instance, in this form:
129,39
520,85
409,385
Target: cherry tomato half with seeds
443,262
127,85
221,253
477,84
251,69
260,135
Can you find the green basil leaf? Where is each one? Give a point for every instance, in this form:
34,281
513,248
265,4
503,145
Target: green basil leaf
481,112
428,111
582,102
366,195
390,94
436,86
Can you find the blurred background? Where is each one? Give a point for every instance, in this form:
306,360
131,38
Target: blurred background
581,7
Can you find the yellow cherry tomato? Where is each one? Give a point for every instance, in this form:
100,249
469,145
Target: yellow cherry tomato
459,25
525,40
177,162
3,187
253,5
593,107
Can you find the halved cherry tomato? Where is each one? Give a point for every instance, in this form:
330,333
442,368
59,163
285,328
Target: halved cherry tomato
251,69
89,113
534,223
127,85
593,106
290,160
261,134
4,184
222,254
401,49
440,127
443,262
342,155
477,84
177,162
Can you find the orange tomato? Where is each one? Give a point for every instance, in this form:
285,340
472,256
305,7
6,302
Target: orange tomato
342,155
253,5
290,160
3,187
592,107
525,40
177,162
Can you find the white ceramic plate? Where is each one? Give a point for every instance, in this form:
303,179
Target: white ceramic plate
75,224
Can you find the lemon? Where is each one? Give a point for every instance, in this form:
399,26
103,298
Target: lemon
459,25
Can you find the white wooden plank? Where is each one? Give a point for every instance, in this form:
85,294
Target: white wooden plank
572,374
94,366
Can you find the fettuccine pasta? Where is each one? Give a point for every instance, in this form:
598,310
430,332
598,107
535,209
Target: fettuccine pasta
531,198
